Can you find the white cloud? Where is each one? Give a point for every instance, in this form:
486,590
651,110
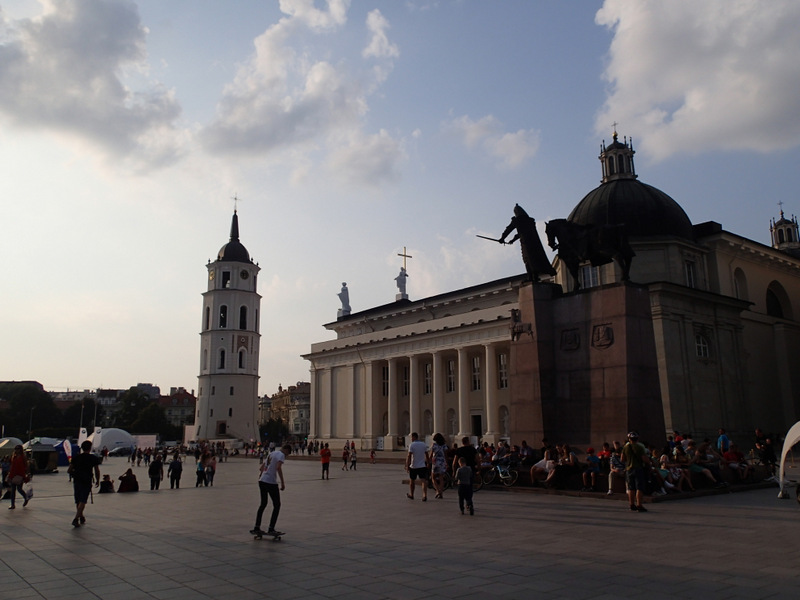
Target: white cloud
510,150
65,70
308,106
368,159
699,76
379,45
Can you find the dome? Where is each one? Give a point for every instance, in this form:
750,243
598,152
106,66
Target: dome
234,251
643,209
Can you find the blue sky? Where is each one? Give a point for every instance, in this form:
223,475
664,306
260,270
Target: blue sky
348,130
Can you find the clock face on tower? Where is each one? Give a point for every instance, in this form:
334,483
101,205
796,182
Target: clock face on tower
210,275
244,274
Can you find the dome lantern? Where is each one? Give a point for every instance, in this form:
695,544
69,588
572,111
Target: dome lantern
617,160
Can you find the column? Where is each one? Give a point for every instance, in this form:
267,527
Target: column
413,396
369,408
493,432
313,408
463,393
326,403
391,436
439,417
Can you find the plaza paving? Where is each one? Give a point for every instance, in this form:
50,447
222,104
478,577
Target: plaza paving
358,536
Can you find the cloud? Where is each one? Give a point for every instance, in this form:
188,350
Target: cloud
510,150
379,45
64,70
367,159
703,76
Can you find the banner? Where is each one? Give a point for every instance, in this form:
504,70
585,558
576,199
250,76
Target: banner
82,435
67,448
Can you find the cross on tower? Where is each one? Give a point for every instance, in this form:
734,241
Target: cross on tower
780,206
236,200
405,256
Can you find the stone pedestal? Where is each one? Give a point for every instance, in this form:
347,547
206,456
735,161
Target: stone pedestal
587,373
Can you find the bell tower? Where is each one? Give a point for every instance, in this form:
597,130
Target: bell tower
227,400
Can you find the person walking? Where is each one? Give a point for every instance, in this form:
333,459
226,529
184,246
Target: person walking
270,472
464,477
353,459
17,475
175,470
325,459
635,457
417,466
156,472
84,468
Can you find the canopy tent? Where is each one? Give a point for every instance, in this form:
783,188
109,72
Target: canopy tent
7,445
792,437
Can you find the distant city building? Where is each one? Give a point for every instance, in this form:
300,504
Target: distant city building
179,407
292,406
227,397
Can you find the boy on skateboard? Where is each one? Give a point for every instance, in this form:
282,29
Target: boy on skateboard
271,470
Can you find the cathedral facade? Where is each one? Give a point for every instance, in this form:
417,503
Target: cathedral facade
703,333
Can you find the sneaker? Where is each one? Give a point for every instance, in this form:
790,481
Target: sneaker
609,492
75,522
27,499
669,485
641,509
633,508
83,520
12,507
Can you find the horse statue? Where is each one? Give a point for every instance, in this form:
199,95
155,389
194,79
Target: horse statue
599,244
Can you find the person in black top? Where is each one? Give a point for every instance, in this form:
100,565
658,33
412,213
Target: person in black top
83,468
469,453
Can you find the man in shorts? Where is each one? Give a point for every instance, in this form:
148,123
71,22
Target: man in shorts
82,468
417,466
325,459
635,457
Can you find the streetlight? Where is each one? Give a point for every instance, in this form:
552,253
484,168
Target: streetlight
30,424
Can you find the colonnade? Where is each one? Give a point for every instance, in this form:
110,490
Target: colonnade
368,398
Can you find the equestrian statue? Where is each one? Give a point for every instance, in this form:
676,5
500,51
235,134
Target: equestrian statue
598,244
533,255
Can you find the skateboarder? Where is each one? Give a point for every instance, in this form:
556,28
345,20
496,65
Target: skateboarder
271,470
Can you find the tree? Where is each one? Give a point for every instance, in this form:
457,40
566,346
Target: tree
29,407
152,419
86,407
131,404
274,430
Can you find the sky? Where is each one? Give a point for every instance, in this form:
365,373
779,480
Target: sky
348,131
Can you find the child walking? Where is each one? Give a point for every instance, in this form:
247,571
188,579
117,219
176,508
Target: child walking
464,477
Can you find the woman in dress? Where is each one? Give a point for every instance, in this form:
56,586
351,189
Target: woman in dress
438,461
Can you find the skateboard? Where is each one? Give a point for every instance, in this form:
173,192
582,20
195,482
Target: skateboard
276,535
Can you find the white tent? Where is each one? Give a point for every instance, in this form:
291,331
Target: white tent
110,438
792,437
7,445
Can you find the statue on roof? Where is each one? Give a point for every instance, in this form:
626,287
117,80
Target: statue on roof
533,255
344,296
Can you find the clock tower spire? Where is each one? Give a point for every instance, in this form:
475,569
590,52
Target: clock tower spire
227,401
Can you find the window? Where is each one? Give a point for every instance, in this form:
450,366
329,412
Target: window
226,279
385,381
223,317
476,373
222,359
406,381
231,392
451,376
428,378
243,317
690,269
589,276
213,389
502,371
230,411
241,359
205,359
701,346
207,323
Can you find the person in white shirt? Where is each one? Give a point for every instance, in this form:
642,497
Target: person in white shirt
417,466
270,472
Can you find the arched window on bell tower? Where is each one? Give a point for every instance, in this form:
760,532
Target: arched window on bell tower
223,317
243,317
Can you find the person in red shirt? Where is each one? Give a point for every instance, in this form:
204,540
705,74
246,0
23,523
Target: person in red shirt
17,475
737,462
325,458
